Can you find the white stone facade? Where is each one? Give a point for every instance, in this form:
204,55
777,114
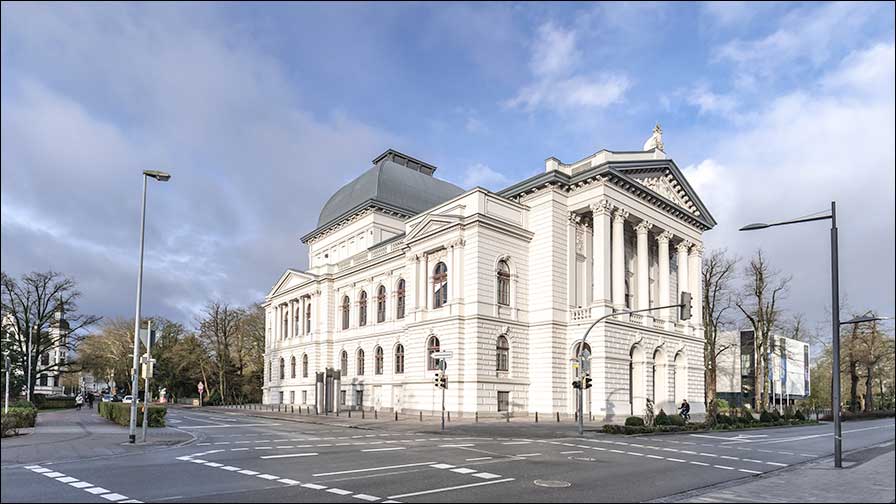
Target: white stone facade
611,231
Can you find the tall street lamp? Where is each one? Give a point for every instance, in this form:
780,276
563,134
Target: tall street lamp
835,315
161,177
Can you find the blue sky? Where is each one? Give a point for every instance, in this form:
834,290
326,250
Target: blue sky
261,111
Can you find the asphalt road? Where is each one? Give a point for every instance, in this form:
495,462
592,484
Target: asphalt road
237,458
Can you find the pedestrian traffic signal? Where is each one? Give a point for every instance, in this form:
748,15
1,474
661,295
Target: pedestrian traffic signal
685,306
440,381
587,381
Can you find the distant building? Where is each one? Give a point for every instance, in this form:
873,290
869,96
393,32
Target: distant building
736,367
403,264
48,382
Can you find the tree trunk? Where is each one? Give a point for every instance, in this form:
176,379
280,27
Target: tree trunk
869,390
853,385
758,381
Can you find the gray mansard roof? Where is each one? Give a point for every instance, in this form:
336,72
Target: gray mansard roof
396,181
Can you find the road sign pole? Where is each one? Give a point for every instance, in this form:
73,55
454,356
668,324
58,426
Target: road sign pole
147,368
580,395
443,365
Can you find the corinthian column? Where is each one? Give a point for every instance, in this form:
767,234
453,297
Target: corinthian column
663,246
695,271
601,252
642,229
683,277
619,217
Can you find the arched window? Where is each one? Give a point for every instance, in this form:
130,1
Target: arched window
292,367
440,285
308,317
432,346
346,311
297,323
503,283
282,368
378,360
362,309
343,363
399,359
304,365
399,302
381,304
284,333
502,354
360,362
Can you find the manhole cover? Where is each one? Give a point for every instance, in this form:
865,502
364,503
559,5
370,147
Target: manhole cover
552,483
583,459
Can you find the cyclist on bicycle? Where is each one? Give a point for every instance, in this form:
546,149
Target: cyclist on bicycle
685,410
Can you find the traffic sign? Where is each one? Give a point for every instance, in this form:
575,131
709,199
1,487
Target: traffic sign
152,339
442,355
200,387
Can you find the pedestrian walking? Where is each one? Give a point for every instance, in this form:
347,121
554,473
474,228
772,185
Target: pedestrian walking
79,400
90,400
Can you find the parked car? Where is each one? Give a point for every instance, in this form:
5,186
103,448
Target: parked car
107,397
129,398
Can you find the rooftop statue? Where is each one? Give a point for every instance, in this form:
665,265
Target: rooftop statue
656,139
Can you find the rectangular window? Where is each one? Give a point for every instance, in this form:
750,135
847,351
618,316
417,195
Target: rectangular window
342,397
292,397
304,397
503,401
281,397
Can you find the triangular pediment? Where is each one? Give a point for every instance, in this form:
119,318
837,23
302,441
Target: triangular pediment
290,279
667,181
430,224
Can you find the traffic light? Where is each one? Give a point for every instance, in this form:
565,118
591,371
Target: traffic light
685,306
440,381
588,381
576,384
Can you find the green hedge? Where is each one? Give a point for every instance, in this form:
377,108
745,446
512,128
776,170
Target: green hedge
17,418
120,413
641,429
54,402
634,421
862,415
662,419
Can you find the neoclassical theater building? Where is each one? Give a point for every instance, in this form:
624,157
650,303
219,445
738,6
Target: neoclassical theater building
403,264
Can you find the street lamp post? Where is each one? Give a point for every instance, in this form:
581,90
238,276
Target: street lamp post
835,316
161,177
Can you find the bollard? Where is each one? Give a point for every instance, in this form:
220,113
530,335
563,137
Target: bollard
591,416
576,416
375,416
477,417
449,416
362,414
337,411
558,416
508,417
536,417
349,413
421,416
396,416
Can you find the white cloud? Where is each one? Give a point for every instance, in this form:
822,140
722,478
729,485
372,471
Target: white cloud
805,37
557,82
481,175
709,102
833,141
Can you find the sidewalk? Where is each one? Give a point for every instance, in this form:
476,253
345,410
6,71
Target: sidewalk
516,427
77,435
867,476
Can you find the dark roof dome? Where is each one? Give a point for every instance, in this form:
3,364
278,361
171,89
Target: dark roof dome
396,181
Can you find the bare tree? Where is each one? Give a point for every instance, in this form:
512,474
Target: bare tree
218,330
109,352
763,289
718,271
36,305
795,327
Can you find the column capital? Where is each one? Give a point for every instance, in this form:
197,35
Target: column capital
620,215
643,227
683,246
601,207
697,250
664,237
574,218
